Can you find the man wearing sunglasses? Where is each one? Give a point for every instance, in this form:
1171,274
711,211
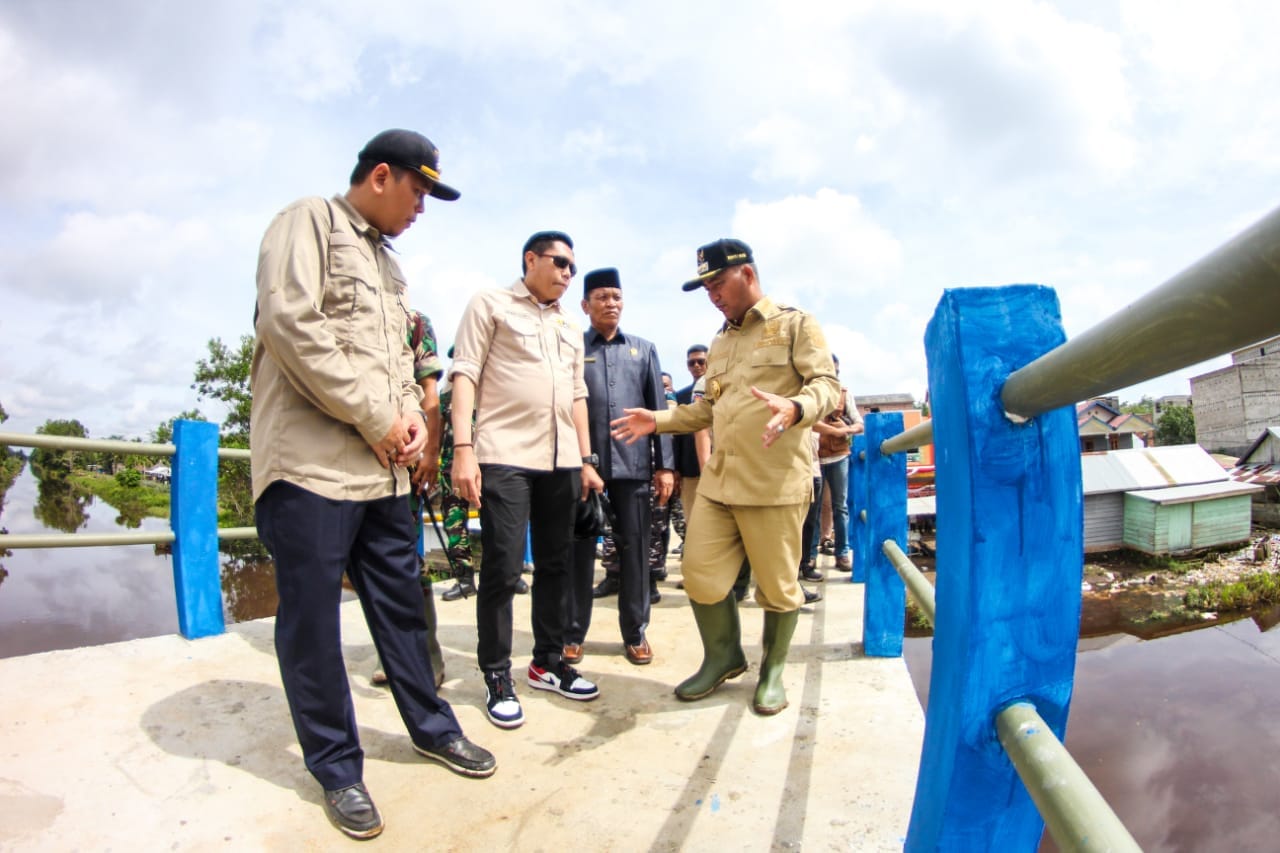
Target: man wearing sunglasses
769,378
336,424
518,364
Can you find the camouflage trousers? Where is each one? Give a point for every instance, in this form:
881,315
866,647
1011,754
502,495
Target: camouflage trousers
457,537
659,533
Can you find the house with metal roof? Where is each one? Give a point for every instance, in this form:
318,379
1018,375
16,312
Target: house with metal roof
1162,500
1260,466
1103,426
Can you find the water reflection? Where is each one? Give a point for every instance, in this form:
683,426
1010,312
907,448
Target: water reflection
58,598
1177,733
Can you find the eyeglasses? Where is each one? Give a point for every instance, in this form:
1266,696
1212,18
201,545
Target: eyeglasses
695,362
561,262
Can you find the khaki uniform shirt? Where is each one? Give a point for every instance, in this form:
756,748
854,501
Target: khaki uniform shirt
331,366
777,349
526,362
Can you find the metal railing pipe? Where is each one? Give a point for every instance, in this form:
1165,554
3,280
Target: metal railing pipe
911,575
237,533
909,439
1225,301
234,453
84,540
1075,814
70,442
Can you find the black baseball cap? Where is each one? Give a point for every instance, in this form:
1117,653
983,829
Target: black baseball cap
412,151
717,256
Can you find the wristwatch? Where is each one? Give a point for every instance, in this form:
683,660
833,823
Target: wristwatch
593,459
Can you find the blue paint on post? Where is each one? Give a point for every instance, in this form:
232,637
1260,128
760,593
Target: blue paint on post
193,515
1010,558
859,533
885,595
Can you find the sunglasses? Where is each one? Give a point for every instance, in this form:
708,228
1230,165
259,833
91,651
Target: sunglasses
561,262
696,361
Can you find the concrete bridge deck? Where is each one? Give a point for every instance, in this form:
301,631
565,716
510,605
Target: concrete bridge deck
169,744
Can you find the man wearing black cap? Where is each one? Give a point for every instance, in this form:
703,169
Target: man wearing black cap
335,424
769,377
518,366
621,371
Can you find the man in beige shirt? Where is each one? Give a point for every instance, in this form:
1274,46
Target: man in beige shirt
518,364
335,423
769,377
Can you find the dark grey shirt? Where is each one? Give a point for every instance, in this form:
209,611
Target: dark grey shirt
623,373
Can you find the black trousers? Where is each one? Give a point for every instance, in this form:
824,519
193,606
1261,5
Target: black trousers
511,499
630,500
313,540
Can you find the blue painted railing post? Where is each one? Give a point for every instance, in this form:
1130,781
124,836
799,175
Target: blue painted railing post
193,516
859,533
884,596
1009,567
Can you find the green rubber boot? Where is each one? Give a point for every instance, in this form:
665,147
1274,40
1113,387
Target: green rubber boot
722,655
770,696
433,642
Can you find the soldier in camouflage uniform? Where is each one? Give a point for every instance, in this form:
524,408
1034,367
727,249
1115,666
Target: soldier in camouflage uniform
427,371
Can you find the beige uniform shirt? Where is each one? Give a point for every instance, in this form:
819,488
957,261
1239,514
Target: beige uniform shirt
526,362
777,349
331,366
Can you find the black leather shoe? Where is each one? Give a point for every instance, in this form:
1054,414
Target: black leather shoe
608,586
810,597
460,589
353,811
654,595
522,586
462,757
810,574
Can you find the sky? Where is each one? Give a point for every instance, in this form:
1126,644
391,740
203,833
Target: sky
873,154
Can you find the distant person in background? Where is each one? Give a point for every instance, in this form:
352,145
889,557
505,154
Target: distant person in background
335,424
835,432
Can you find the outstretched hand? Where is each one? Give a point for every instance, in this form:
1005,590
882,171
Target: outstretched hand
784,414
633,425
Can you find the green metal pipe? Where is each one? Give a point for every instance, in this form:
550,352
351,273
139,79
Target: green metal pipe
67,442
915,580
909,439
1075,814
1227,300
83,540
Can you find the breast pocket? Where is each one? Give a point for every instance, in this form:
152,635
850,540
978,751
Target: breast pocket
523,332
350,296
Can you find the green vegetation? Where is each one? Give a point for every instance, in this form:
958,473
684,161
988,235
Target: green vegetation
1177,425
133,502
1225,597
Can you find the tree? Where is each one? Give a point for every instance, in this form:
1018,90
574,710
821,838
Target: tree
163,434
224,376
1177,425
57,464
1145,407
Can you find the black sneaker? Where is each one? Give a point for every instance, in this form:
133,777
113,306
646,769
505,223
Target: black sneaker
608,586
352,810
562,679
654,595
811,574
810,597
500,700
460,589
462,757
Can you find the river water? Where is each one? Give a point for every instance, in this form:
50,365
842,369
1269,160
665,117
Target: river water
61,598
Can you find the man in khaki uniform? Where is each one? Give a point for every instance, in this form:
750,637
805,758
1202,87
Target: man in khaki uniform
769,378
335,424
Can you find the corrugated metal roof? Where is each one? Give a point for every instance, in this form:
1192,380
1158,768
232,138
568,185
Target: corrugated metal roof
1262,475
1148,468
1200,491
